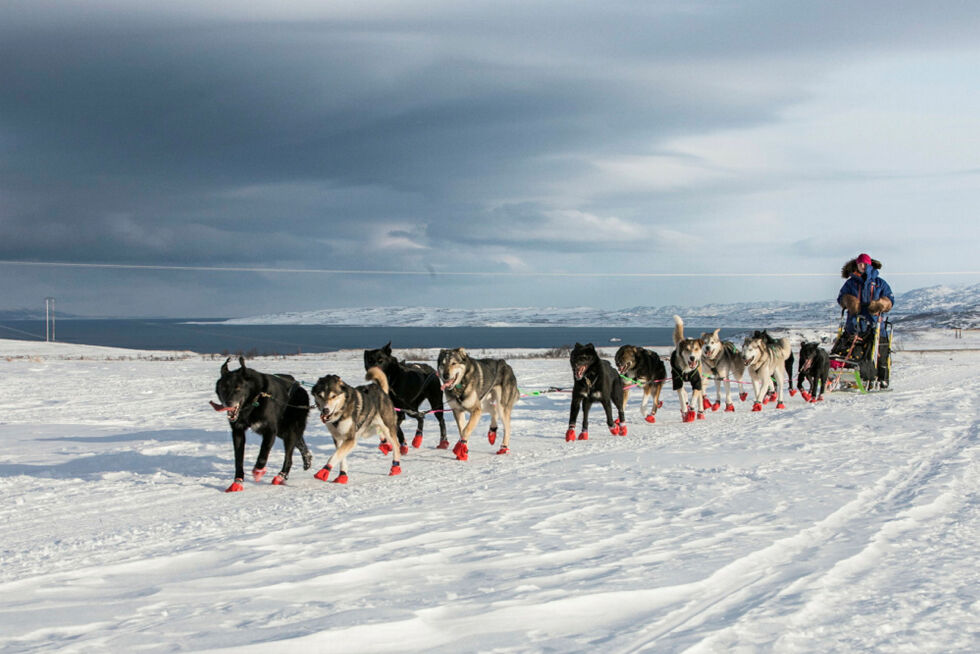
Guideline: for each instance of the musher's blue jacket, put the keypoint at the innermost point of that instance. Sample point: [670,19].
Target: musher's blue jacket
[866,288]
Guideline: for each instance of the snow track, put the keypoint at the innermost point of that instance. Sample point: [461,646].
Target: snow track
[847,525]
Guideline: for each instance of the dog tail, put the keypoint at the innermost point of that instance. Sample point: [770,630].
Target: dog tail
[678,330]
[377,375]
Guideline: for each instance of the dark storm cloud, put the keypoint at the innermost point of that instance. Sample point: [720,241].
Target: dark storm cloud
[211,133]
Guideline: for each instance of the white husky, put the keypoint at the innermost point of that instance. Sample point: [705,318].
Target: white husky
[765,361]
[722,360]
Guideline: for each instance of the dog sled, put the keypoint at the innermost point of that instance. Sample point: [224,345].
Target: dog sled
[862,361]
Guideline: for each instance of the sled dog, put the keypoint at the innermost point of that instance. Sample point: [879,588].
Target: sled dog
[350,412]
[473,386]
[722,360]
[772,342]
[815,368]
[685,366]
[408,385]
[649,372]
[595,379]
[269,405]
[765,360]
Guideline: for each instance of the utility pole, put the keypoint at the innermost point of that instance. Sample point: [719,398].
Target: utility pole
[49,334]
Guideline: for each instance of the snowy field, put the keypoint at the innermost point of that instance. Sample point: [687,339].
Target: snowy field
[850,525]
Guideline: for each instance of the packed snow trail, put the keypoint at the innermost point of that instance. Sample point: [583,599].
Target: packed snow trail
[849,524]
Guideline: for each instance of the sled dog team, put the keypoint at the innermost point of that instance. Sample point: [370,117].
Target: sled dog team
[276,405]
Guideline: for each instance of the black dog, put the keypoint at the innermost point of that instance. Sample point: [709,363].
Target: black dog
[815,368]
[595,379]
[772,342]
[271,405]
[409,384]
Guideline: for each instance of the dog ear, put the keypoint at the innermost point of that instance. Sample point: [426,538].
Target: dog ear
[462,352]
[241,361]
[387,348]
[718,331]
[224,366]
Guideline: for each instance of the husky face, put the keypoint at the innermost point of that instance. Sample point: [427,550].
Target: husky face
[626,360]
[380,358]
[330,396]
[234,388]
[752,350]
[712,344]
[689,350]
[582,358]
[452,366]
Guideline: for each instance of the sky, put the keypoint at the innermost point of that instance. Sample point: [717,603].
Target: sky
[480,154]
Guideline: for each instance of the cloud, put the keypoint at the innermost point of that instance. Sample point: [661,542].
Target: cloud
[520,134]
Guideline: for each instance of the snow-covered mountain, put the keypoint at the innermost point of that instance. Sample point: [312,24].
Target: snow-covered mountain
[936,306]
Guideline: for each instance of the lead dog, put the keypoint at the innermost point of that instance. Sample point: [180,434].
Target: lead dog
[595,379]
[269,405]
[815,368]
[766,360]
[685,366]
[473,386]
[723,360]
[408,385]
[350,412]
[649,372]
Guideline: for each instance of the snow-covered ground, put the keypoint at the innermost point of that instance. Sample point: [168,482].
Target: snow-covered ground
[849,525]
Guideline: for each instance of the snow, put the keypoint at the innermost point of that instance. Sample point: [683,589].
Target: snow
[849,525]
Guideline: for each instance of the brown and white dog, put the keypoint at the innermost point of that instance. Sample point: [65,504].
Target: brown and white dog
[722,360]
[765,360]
[685,366]
[473,386]
[648,371]
[350,412]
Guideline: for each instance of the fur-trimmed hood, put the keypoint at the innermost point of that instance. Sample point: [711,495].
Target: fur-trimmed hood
[850,267]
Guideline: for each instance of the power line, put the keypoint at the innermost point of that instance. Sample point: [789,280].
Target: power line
[451,273]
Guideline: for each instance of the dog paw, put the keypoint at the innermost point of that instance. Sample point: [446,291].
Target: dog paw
[730,408]
[503,450]
[651,418]
[443,445]
[385,447]
[584,436]
[757,407]
[341,478]
[403,449]
[278,480]
[716,406]
[417,441]
[235,486]
[307,460]
[570,435]
[258,473]
[323,473]
[396,470]
[780,405]
[492,435]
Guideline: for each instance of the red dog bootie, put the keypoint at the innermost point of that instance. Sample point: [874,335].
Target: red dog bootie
[396,469]
[323,473]
[235,486]
[757,407]
[651,418]
[729,408]
[492,435]
[341,478]
[584,436]
[443,444]
[570,435]
[417,441]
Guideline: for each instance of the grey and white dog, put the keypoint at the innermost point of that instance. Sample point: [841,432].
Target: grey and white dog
[350,412]
[473,386]
[722,360]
